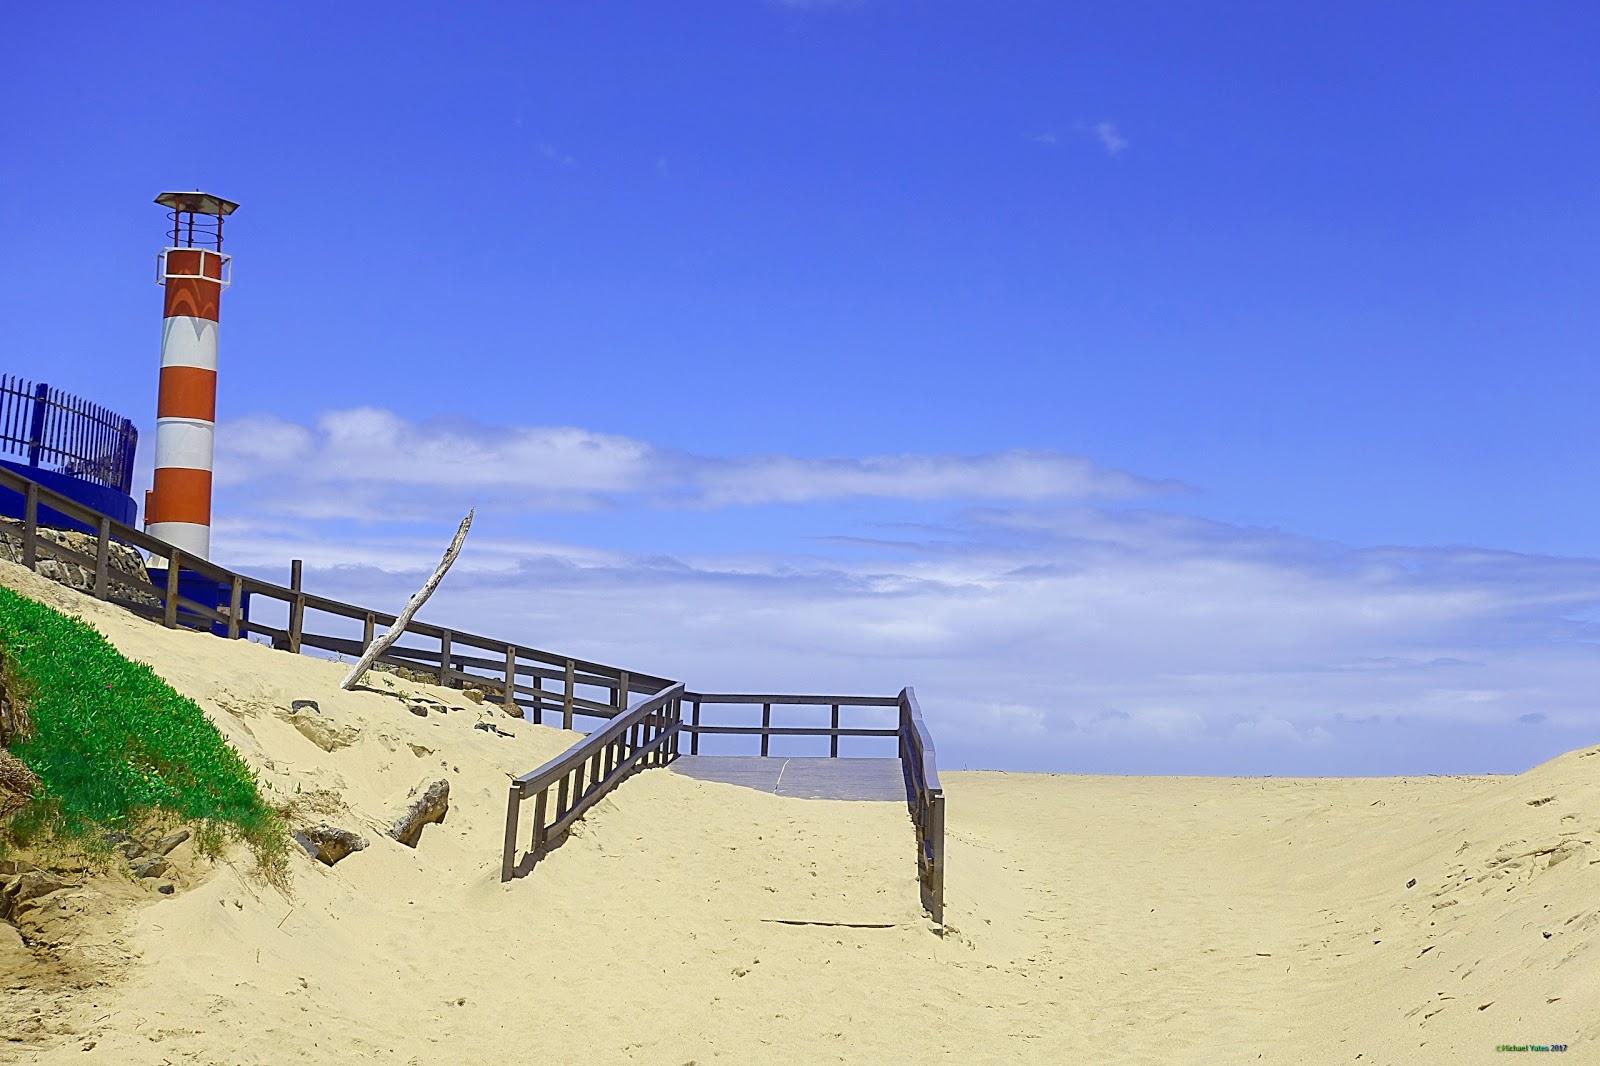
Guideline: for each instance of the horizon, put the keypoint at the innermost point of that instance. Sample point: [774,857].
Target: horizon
[1158,395]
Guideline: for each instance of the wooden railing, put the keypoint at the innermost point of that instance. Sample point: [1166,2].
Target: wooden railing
[924,794]
[925,797]
[766,730]
[517,673]
[645,735]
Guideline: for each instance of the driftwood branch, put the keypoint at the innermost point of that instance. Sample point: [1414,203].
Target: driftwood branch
[381,645]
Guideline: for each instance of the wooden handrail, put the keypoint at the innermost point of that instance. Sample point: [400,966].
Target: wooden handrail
[645,734]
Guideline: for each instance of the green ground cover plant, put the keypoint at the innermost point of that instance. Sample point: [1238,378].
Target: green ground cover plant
[115,747]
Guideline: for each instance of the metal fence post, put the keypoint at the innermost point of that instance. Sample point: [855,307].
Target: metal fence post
[41,399]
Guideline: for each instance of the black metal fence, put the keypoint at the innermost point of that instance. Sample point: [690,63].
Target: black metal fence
[54,430]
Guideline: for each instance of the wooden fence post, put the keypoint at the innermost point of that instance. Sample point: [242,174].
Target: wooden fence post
[235,607]
[566,705]
[694,734]
[444,658]
[169,614]
[509,851]
[102,558]
[622,692]
[511,676]
[30,525]
[833,740]
[369,629]
[297,606]
[538,700]
[766,723]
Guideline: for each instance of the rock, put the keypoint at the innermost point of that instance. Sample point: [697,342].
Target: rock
[418,709]
[12,867]
[425,804]
[17,783]
[490,727]
[35,884]
[328,844]
[323,733]
[166,889]
[132,849]
[150,866]
[165,845]
[473,694]
[296,706]
[12,946]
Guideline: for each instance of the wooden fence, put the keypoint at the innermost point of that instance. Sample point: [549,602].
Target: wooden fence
[924,794]
[643,734]
[766,730]
[576,687]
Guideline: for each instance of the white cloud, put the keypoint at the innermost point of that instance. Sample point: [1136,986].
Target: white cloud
[1110,138]
[1055,631]
[555,155]
[351,461]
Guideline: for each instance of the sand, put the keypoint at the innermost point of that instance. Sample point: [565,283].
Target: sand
[1090,919]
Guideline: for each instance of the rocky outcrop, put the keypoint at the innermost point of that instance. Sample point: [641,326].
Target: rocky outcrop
[123,560]
[29,885]
[427,803]
[17,783]
[328,844]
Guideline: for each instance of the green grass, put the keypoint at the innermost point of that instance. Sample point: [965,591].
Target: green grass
[115,747]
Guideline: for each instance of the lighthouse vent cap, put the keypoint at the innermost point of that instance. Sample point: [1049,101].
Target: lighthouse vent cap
[197,202]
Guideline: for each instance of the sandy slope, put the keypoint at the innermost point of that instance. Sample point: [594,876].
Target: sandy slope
[1139,920]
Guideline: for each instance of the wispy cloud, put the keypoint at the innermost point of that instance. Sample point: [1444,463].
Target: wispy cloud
[1054,630]
[555,155]
[1110,138]
[1047,137]
[352,459]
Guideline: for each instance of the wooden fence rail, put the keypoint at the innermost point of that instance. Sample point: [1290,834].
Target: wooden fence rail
[632,737]
[644,735]
[924,794]
[447,662]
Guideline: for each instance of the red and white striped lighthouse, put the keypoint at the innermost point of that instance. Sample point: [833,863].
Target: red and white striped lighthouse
[194,271]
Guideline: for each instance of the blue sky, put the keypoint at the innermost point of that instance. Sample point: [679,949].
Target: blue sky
[1158,389]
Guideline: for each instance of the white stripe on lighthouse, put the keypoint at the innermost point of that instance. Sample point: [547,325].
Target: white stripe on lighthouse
[191,538]
[185,442]
[189,341]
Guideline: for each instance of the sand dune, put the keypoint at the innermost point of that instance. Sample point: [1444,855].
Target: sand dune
[1091,919]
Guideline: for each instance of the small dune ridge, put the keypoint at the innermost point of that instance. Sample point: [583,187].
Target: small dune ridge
[1090,918]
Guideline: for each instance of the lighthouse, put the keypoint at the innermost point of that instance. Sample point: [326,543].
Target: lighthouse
[193,272]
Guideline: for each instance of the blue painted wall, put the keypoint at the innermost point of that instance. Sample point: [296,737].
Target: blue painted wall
[109,502]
